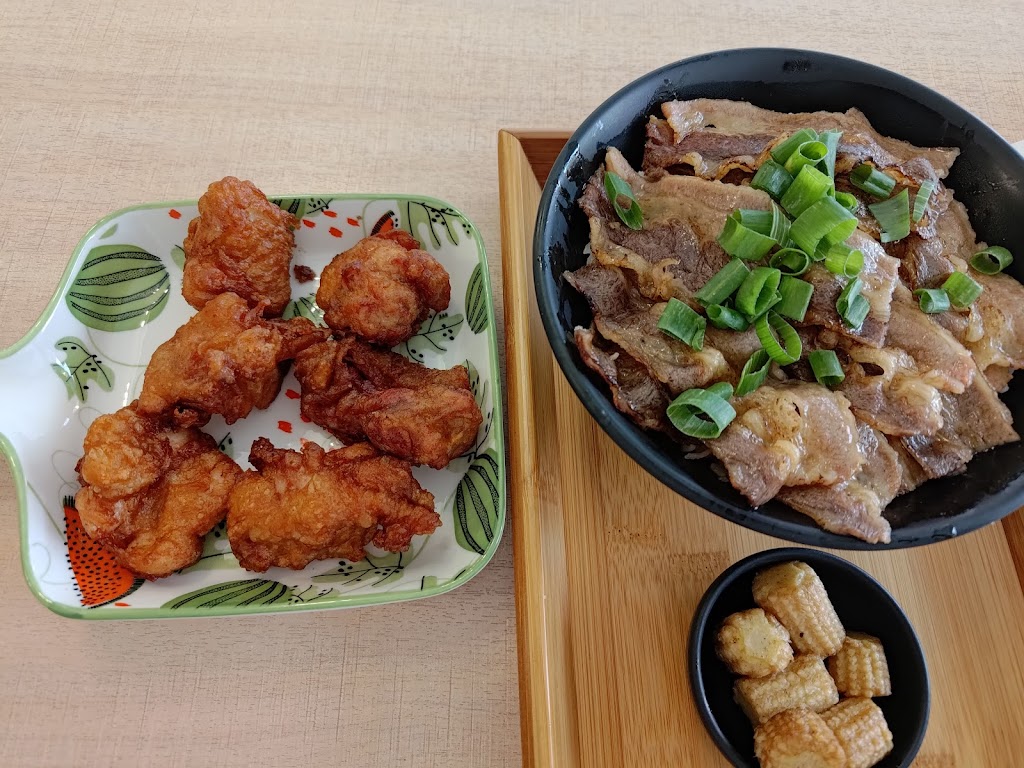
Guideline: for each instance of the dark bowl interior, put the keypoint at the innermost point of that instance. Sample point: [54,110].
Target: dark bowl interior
[863,605]
[988,177]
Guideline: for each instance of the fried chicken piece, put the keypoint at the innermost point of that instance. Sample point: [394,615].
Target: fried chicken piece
[242,243]
[382,288]
[226,359]
[298,507]
[425,415]
[151,491]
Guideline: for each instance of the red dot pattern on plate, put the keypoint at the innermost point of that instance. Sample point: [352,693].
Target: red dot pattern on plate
[353,222]
[304,419]
[123,605]
[335,231]
[285,426]
[308,223]
[174,213]
[331,214]
[291,394]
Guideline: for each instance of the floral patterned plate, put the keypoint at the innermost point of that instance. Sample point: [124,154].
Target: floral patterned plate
[119,298]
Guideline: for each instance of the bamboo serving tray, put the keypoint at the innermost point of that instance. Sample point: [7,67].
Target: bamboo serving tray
[610,565]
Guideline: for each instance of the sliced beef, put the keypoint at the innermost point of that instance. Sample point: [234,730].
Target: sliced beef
[708,154]
[634,391]
[788,434]
[625,318]
[854,507]
[941,359]
[1000,349]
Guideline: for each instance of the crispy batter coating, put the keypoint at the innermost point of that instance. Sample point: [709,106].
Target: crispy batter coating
[860,667]
[805,683]
[753,643]
[797,738]
[242,243]
[150,491]
[299,507]
[795,594]
[226,359]
[861,729]
[382,288]
[425,415]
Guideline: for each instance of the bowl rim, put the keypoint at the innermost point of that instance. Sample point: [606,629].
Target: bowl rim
[699,627]
[630,438]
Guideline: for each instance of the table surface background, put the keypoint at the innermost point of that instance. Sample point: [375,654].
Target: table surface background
[104,105]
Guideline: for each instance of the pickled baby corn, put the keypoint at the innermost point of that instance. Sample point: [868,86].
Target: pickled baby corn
[753,643]
[859,667]
[795,594]
[797,738]
[804,684]
[860,727]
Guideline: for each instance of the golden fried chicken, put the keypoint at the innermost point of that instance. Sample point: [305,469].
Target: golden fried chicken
[151,491]
[242,243]
[355,391]
[382,288]
[298,507]
[226,359]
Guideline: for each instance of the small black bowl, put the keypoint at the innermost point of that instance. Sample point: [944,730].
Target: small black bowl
[988,178]
[863,605]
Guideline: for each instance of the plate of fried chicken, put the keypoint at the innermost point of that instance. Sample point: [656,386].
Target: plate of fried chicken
[252,404]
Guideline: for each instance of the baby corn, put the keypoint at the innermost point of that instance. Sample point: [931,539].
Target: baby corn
[860,727]
[795,594]
[859,668]
[797,737]
[753,644]
[804,684]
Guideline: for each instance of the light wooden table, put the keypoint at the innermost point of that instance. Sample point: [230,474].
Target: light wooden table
[103,105]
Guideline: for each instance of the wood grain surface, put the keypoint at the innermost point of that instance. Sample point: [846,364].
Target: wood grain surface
[106,104]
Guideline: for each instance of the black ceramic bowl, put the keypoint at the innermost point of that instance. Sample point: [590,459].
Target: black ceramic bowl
[988,177]
[863,605]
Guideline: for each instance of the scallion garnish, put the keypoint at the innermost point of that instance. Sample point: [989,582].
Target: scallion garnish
[786,148]
[757,291]
[841,259]
[702,413]
[787,347]
[617,189]
[871,180]
[962,290]
[848,201]
[808,153]
[831,140]
[726,318]
[772,178]
[893,216]
[754,372]
[822,225]
[796,297]
[826,367]
[723,283]
[780,226]
[741,241]
[790,261]
[681,322]
[993,259]
[932,300]
[851,306]
[924,194]
[809,186]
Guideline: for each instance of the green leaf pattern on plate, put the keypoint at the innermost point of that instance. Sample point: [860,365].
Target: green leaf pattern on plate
[242,593]
[436,331]
[422,215]
[119,288]
[476,504]
[301,207]
[305,307]
[476,300]
[178,256]
[374,570]
[79,367]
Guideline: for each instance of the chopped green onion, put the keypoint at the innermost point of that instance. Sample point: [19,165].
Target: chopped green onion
[741,241]
[841,259]
[723,283]
[726,318]
[772,178]
[962,290]
[754,372]
[831,141]
[786,352]
[790,261]
[993,259]
[786,148]
[893,216]
[871,180]
[757,290]
[796,297]
[702,413]
[809,186]
[681,322]
[752,218]
[924,194]
[848,201]
[932,300]
[826,367]
[780,226]
[617,188]
[808,153]
[851,306]
[823,225]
